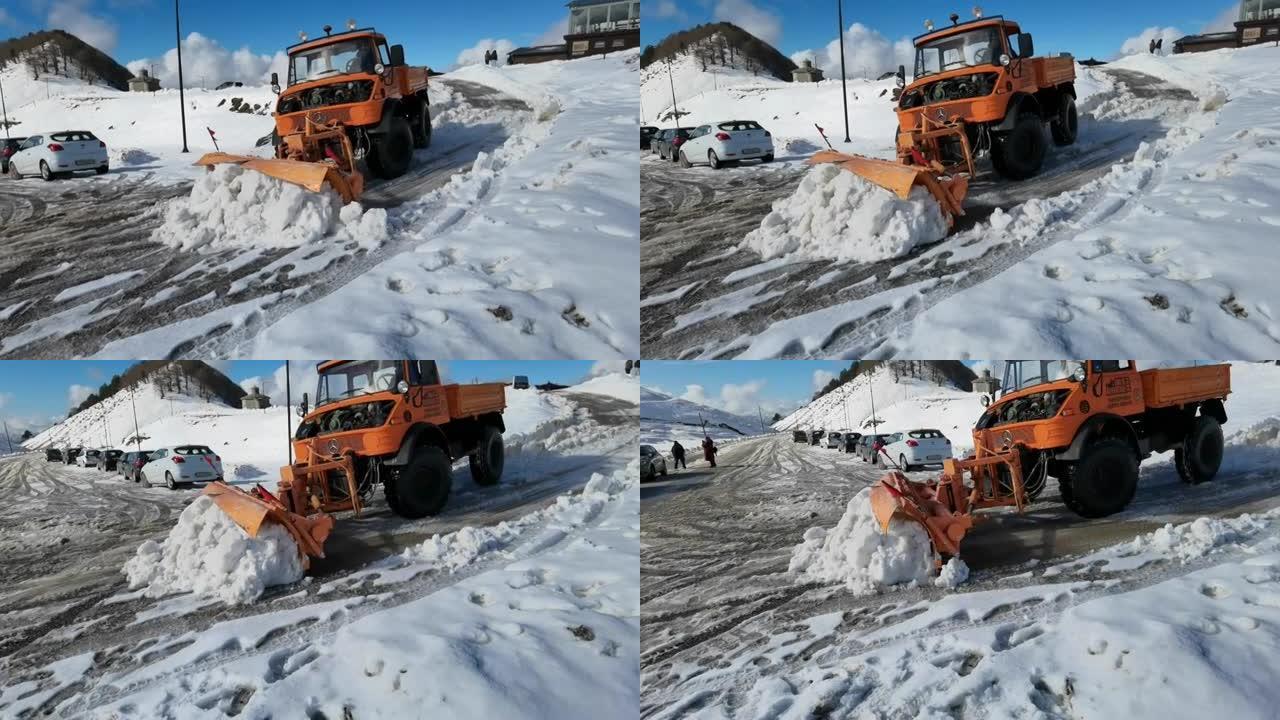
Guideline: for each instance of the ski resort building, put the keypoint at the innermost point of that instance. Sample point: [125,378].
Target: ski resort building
[806,72]
[143,82]
[1258,22]
[596,27]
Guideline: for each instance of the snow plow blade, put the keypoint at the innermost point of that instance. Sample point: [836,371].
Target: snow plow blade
[310,175]
[898,178]
[897,497]
[252,510]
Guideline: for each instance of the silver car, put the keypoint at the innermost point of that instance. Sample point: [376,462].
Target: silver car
[652,463]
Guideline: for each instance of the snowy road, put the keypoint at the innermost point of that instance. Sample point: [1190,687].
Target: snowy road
[54,593]
[705,297]
[721,618]
[78,257]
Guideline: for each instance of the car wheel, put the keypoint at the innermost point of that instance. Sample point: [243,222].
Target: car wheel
[902,463]
[13,170]
[767,158]
[684,160]
[102,170]
[168,481]
[664,469]
[45,172]
[713,160]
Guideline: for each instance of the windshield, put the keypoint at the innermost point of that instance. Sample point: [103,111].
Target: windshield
[1020,374]
[980,46]
[348,56]
[357,377]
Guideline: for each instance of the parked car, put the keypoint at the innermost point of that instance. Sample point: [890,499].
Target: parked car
[520,382]
[70,454]
[652,463]
[923,446]
[866,447]
[109,460]
[59,153]
[835,439]
[182,464]
[800,436]
[7,147]
[730,141]
[132,463]
[667,142]
[52,454]
[815,437]
[89,458]
[851,441]
[646,134]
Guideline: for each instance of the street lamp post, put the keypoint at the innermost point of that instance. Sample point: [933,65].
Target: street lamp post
[182,100]
[5,111]
[844,85]
[671,79]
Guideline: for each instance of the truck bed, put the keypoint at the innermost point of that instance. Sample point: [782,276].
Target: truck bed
[1178,386]
[477,399]
[1053,71]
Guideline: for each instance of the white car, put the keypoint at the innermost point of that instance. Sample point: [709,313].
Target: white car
[182,464]
[88,458]
[835,439]
[64,152]
[727,142]
[918,447]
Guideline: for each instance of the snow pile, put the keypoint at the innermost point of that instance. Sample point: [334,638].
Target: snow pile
[953,573]
[837,215]
[130,156]
[208,554]
[617,385]
[232,207]
[857,554]
[458,549]
[1193,540]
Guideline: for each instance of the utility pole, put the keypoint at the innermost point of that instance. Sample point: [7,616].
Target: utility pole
[6,436]
[5,110]
[137,440]
[874,423]
[761,416]
[106,432]
[288,408]
[182,100]
[671,79]
[844,86]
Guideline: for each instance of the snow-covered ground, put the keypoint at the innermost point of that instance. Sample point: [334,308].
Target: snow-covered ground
[1107,250]
[514,235]
[1165,610]
[520,600]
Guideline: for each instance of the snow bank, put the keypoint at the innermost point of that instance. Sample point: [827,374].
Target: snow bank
[208,554]
[232,207]
[857,554]
[618,385]
[837,215]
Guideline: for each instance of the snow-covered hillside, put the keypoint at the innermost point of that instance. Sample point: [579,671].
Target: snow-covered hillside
[664,418]
[691,81]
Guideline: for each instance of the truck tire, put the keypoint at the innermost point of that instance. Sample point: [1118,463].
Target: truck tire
[392,151]
[1065,126]
[1103,480]
[422,129]
[488,459]
[1019,154]
[422,487]
[1200,455]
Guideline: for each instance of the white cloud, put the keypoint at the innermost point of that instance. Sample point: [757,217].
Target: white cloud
[75,17]
[866,51]
[821,378]
[756,20]
[7,19]
[302,379]
[205,59]
[666,10]
[4,399]
[474,55]
[1225,21]
[695,394]
[737,399]
[1140,43]
[604,367]
[76,394]
[553,35]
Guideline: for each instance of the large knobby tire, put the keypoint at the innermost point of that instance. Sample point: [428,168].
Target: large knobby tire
[488,459]
[1103,480]
[422,487]
[1200,455]
[1067,124]
[422,128]
[1021,151]
[392,151]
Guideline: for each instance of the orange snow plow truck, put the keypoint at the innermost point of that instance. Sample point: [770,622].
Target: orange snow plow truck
[375,422]
[977,87]
[1086,423]
[350,102]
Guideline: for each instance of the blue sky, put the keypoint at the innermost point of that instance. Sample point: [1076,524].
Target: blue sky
[1089,28]
[432,32]
[739,385]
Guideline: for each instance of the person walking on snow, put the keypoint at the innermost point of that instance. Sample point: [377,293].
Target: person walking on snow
[877,447]
[677,453]
[709,450]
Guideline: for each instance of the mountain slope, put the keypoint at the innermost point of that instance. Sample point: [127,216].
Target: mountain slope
[61,54]
[664,418]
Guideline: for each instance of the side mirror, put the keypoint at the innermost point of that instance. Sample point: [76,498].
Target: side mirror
[396,54]
[275,83]
[986,400]
[902,76]
[302,409]
[1026,47]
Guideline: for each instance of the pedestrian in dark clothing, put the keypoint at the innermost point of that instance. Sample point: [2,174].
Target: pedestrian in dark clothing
[677,452]
[709,451]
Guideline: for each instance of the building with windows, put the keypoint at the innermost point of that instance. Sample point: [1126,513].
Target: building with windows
[143,82]
[1258,22]
[596,27]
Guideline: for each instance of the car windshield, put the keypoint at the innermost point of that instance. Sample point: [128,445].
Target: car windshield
[1021,374]
[73,136]
[922,434]
[91,453]
[740,125]
[980,46]
[357,377]
[349,56]
[192,450]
